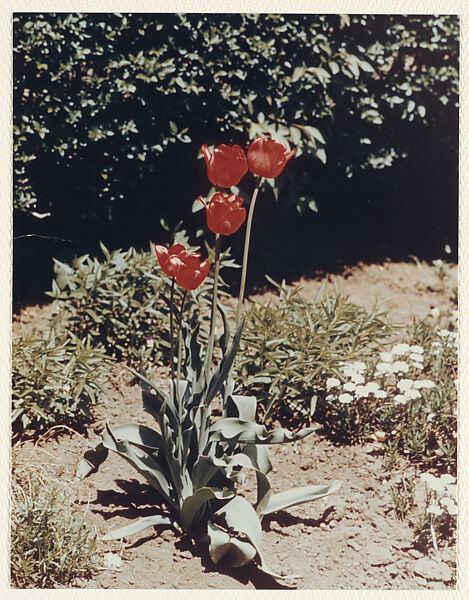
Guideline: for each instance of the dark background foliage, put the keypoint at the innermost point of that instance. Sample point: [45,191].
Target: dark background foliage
[110,111]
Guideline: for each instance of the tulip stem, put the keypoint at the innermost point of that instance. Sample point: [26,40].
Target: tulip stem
[246,252]
[171,327]
[211,337]
[178,376]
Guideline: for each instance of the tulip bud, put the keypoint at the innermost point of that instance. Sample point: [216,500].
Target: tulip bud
[226,166]
[225,213]
[267,158]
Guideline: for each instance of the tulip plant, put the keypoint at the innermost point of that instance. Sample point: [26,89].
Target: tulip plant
[194,462]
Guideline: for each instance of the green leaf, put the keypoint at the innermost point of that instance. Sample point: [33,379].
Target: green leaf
[299,496]
[194,502]
[224,367]
[241,407]
[91,461]
[248,432]
[228,549]
[146,465]
[138,526]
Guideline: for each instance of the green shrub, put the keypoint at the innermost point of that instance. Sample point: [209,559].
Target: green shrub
[119,303]
[291,346]
[110,110]
[50,542]
[54,380]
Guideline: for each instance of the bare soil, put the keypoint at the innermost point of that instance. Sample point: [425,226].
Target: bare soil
[351,540]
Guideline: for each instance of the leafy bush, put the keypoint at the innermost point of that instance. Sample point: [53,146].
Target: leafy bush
[54,380]
[50,542]
[291,346]
[107,105]
[119,303]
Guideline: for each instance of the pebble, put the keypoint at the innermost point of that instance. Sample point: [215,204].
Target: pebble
[432,570]
[337,504]
[393,570]
[379,555]
[112,561]
[354,545]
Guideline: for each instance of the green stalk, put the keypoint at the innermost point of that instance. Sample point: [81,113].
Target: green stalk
[178,375]
[211,337]
[246,252]
[171,328]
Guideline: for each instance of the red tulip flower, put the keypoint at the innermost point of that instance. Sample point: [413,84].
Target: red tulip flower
[192,271]
[170,259]
[226,166]
[186,267]
[225,213]
[267,158]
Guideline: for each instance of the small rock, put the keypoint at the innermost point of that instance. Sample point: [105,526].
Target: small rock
[415,553]
[393,570]
[420,581]
[436,585]
[337,504]
[379,555]
[112,561]
[354,545]
[350,532]
[432,570]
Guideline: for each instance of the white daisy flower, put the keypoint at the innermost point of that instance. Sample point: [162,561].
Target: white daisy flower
[349,371]
[436,484]
[447,479]
[430,417]
[417,365]
[345,398]
[412,394]
[435,510]
[361,391]
[359,365]
[349,386]
[452,490]
[416,357]
[443,333]
[380,394]
[358,378]
[386,357]
[450,505]
[400,399]
[384,367]
[372,387]
[427,384]
[405,384]
[400,366]
[400,349]
[416,349]
[332,382]
[330,398]
[435,312]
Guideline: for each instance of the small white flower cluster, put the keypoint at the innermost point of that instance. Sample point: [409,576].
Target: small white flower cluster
[356,387]
[410,389]
[448,339]
[391,362]
[444,495]
[390,365]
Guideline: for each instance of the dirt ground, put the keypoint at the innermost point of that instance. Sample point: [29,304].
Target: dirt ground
[350,540]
